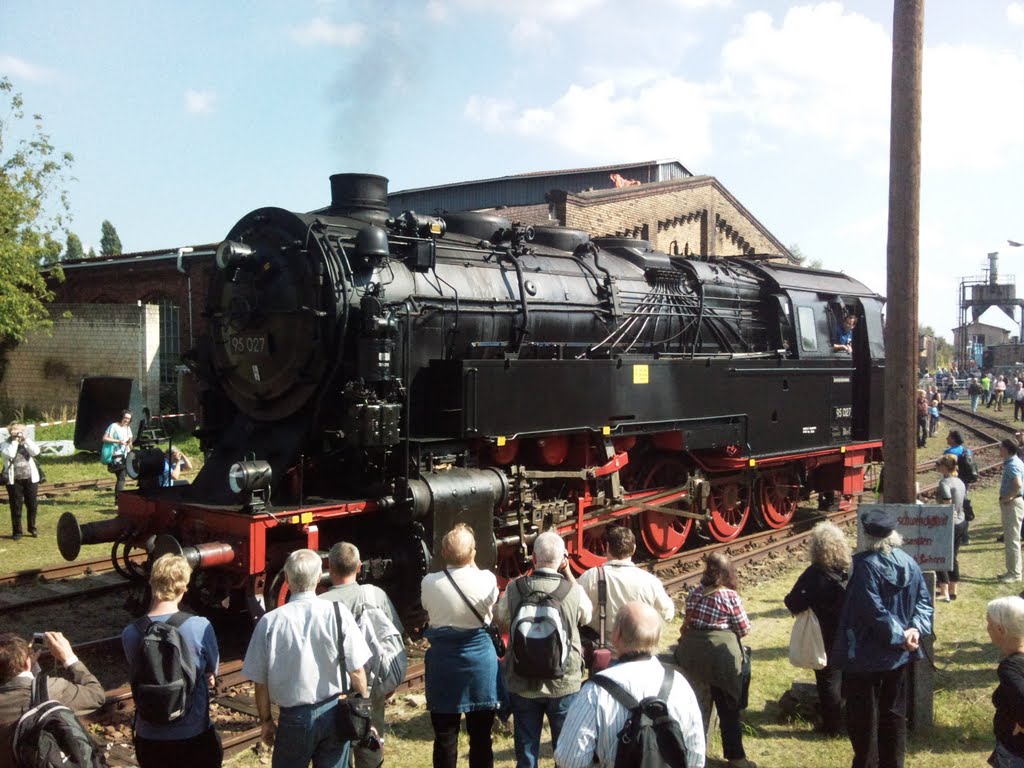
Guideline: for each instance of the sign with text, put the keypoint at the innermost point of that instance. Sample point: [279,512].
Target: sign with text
[927,532]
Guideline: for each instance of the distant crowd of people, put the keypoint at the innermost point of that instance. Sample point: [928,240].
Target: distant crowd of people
[316,657]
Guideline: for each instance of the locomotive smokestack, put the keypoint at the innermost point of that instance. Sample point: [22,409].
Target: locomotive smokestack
[360,195]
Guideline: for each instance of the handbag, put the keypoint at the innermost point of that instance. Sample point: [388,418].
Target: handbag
[352,715]
[106,453]
[744,677]
[597,654]
[968,510]
[806,645]
[492,631]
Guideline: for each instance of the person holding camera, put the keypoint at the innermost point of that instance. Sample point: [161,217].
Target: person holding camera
[173,468]
[21,475]
[77,688]
[120,435]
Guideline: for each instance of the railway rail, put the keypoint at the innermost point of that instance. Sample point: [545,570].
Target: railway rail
[51,490]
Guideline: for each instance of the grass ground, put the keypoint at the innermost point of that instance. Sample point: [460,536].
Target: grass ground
[964,680]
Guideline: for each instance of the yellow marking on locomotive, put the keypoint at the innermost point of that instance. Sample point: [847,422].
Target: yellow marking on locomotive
[752,462]
[641,374]
[842,449]
[306,518]
[499,441]
[606,431]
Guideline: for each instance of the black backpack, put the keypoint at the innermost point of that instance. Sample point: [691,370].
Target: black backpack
[650,738]
[541,632]
[966,468]
[49,735]
[163,675]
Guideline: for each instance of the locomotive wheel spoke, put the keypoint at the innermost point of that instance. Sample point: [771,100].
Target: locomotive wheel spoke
[592,554]
[778,494]
[729,504]
[664,535]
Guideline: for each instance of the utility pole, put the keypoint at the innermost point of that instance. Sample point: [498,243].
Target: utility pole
[901,351]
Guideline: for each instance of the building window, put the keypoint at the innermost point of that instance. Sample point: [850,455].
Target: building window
[169,354]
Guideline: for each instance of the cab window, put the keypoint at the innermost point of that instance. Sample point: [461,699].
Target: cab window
[808,333]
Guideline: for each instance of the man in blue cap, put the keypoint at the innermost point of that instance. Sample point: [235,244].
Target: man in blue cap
[887,610]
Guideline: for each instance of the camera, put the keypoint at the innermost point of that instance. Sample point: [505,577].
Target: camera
[38,640]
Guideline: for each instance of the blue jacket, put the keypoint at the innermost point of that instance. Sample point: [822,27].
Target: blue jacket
[885,596]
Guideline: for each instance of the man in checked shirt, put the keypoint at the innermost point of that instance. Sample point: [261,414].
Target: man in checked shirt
[590,734]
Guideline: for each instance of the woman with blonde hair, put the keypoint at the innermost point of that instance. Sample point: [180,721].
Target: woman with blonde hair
[191,740]
[21,476]
[461,673]
[952,491]
[821,588]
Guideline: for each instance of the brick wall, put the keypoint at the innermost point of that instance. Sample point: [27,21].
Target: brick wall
[45,371]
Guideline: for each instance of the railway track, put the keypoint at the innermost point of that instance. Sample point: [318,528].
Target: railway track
[52,490]
[36,587]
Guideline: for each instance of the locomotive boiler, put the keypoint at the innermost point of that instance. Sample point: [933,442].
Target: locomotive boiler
[377,378]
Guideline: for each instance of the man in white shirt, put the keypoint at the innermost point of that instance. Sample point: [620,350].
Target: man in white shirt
[624,582]
[590,734]
[293,658]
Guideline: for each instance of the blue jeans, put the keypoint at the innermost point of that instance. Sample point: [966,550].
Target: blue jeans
[1004,758]
[528,717]
[308,732]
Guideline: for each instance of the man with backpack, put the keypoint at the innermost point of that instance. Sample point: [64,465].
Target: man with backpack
[172,660]
[544,663]
[375,614]
[20,687]
[637,714]
[303,656]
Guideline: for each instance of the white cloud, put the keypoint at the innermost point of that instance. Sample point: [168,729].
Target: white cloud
[320,31]
[823,72]
[1015,13]
[19,69]
[700,4]
[437,10]
[668,117]
[972,115]
[199,102]
[537,10]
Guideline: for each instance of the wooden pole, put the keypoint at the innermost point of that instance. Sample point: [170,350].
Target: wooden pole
[901,353]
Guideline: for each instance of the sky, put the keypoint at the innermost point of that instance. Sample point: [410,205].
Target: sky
[184,116]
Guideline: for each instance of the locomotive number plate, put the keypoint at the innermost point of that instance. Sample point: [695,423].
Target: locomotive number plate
[844,411]
[244,344]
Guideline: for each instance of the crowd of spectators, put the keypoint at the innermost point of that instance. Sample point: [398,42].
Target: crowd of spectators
[306,656]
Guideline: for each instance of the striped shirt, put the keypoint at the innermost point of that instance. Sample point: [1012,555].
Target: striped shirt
[594,719]
[720,609]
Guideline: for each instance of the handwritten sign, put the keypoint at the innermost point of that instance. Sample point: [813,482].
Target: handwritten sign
[927,532]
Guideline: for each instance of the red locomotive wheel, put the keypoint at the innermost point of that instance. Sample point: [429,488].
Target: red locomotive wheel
[664,535]
[593,554]
[729,504]
[778,494]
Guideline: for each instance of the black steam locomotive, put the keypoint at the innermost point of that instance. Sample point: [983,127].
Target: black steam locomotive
[378,378]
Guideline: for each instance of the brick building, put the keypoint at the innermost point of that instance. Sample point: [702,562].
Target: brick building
[660,201]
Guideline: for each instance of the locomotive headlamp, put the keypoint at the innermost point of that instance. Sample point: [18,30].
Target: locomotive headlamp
[231,254]
[144,464]
[249,476]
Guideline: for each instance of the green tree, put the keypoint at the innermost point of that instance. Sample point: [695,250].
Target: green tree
[73,249]
[804,261]
[110,243]
[91,254]
[33,202]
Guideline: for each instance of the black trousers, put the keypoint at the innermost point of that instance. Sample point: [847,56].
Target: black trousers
[446,738]
[830,698]
[729,723]
[922,431]
[202,751]
[876,717]
[944,577]
[23,492]
[1018,409]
